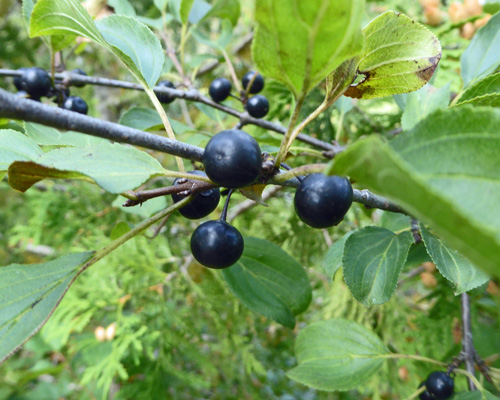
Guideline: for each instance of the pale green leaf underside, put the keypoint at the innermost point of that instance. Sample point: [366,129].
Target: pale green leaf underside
[336,354]
[300,42]
[453,266]
[29,294]
[114,167]
[423,102]
[269,281]
[372,261]
[14,146]
[482,56]
[399,56]
[333,257]
[446,173]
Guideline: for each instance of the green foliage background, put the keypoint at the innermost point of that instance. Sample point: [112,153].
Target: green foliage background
[180,333]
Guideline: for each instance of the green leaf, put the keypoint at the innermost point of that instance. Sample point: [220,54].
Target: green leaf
[488,100]
[135,45]
[336,355]
[340,79]
[120,229]
[199,10]
[114,167]
[333,257]
[423,102]
[14,146]
[445,172]
[184,10]
[45,135]
[269,281]
[399,56]
[300,42]
[225,9]
[452,265]
[146,118]
[372,261]
[28,296]
[482,56]
[132,41]
[122,7]
[61,17]
[491,6]
[487,86]
[27,9]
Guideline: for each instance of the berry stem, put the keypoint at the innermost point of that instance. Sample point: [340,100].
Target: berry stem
[299,171]
[417,393]
[289,133]
[231,71]
[223,216]
[247,90]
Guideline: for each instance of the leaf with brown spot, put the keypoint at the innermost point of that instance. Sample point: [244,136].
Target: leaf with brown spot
[399,56]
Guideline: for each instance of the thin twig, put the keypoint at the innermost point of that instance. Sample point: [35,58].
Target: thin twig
[467,344]
[191,95]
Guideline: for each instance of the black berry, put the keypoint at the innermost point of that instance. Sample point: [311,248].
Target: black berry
[440,385]
[257,106]
[17,80]
[425,395]
[216,244]
[76,104]
[219,89]
[36,82]
[163,97]
[202,205]
[232,159]
[257,85]
[79,71]
[322,201]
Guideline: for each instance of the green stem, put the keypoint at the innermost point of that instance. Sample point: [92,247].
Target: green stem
[232,72]
[285,142]
[471,377]
[100,254]
[166,123]
[183,43]
[417,393]
[412,357]
[303,170]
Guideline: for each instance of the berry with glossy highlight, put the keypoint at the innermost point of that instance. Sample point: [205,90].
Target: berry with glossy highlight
[216,244]
[36,82]
[232,159]
[440,385]
[219,90]
[203,203]
[257,85]
[163,97]
[257,106]
[79,71]
[76,104]
[322,201]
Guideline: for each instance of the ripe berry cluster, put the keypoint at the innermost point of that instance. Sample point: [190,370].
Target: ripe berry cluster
[438,386]
[233,159]
[35,83]
[257,106]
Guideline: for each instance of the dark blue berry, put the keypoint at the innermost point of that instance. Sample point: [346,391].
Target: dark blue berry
[440,385]
[257,106]
[216,244]
[76,104]
[232,159]
[425,395]
[203,203]
[219,90]
[17,80]
[322,201]
[257,85]
[36,82]
[163,97]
